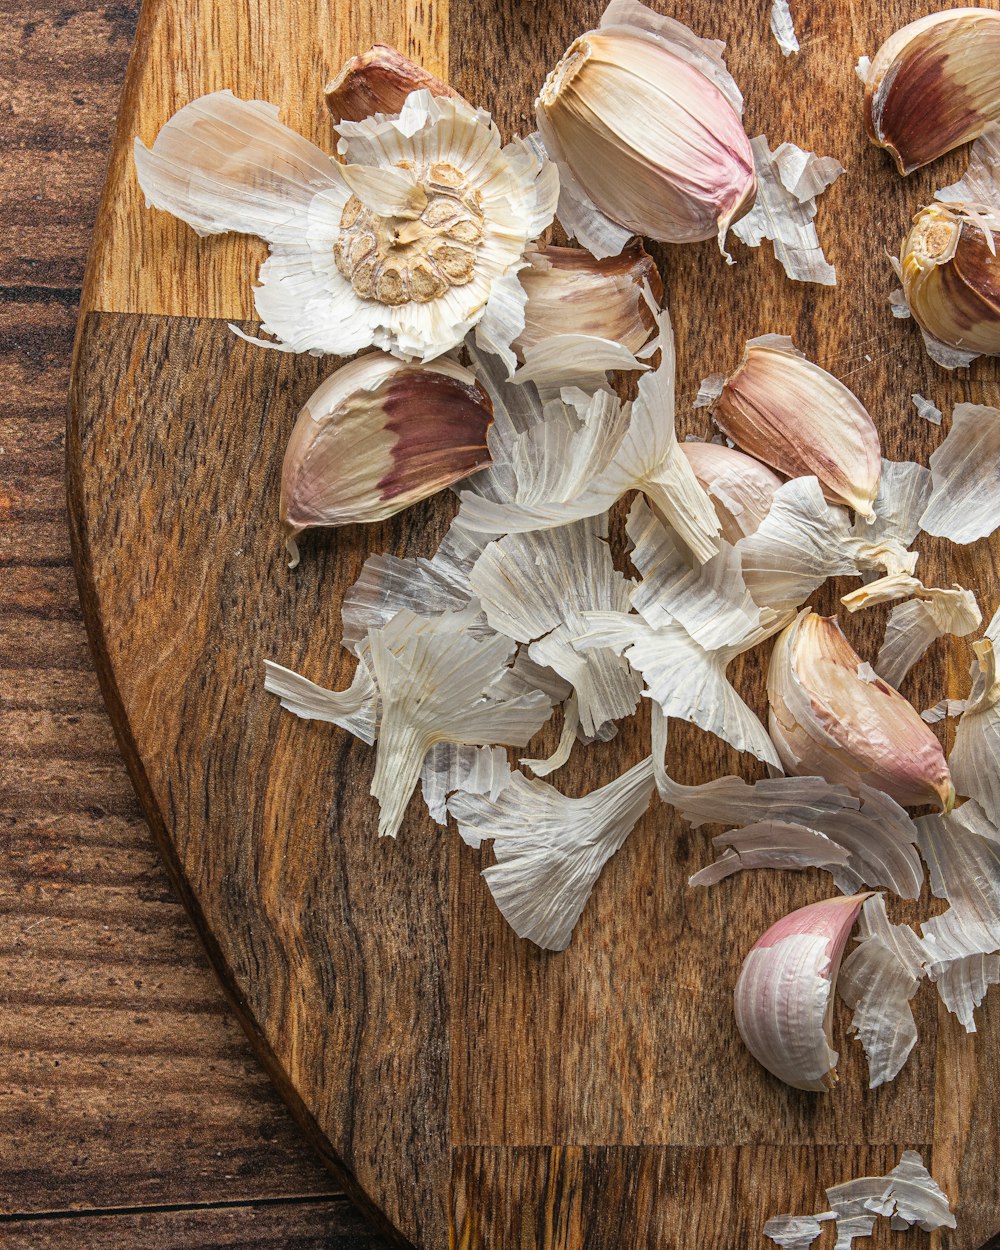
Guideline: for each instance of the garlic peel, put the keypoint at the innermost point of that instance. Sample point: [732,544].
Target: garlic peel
[975,757]
[783,996]
[378,81]
[354,709]
[783,28]
[964,504]
[741,488]
[449,769]
[931,87]
[770,844]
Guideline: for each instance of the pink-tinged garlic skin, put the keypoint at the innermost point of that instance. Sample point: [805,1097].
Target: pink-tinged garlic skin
[653,143]
[933,85]
[379,435]
[378,81]
[740,487]
[827,721]
[787,411]
[784,994]
[571,292]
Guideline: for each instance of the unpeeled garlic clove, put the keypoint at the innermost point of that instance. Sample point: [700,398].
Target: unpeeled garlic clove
[652,141]
[740,487]
[784,994]
[933,85]
[951,278]
[378,81]
[571,292]
[783,409]
[827,720]
[377,436]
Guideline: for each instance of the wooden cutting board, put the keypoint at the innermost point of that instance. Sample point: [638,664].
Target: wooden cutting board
[472,1090]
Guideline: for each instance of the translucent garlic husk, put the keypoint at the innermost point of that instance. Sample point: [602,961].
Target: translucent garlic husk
[652,141]
[377,436]
[787,411]
[784,994]
[378,81]
[826,719]
[933,85]
[571,292]
[740,487]
[951,278]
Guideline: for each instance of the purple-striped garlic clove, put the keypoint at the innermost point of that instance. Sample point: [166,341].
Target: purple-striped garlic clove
[784,993]
[828,720]
[933,85]
[377,436]
[785,410]
[571,292]
[951,278]
[378,81]
[740,487]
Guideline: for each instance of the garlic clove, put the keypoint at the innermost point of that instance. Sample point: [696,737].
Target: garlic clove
[933,85]
[741,488]
[378,81]
[784,994]
[571,292]
[827,720]
[787,411]
[377,436]
[951,278]
[655,144]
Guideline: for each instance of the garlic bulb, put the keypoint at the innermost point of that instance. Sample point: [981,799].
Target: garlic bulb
[828,720]
[378,81]
[796,417]
[933,85]
[377,436]
[570,292]
[639,115]
[741,488]
[951,277]
[784,994]
[417,238]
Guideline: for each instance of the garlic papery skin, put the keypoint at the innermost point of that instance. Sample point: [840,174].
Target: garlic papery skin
[787,411]
[378,81]
[933,85]
[951,277]
[570,292]
[827,720]
[784,994]
[642,134]
[741,488]
[377,436]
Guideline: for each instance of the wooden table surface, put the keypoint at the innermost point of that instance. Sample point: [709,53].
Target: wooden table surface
[132,1112]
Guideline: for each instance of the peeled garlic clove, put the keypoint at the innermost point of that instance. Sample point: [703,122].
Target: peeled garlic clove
[784,994]
[783,409]
[378,81]
[933,85]
[571,292]
[652,141]
[827,720]
[741,488]
[951,279]
[378,436]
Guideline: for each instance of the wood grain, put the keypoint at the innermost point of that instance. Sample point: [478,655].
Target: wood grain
[131,1106]
[480,1092]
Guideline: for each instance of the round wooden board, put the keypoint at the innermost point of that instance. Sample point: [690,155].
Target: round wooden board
[470,1088]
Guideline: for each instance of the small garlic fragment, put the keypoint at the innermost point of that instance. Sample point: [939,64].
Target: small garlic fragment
[572,293]
[640,118]
[784,994]
[951,277]
[933,85]
[787,411]
[825,720]
[741,488]
[377,436]
[378,81]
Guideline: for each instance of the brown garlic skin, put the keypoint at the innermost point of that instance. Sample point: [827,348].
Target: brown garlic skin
[378,81]
[571,292]
[951,279]
[933,85]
